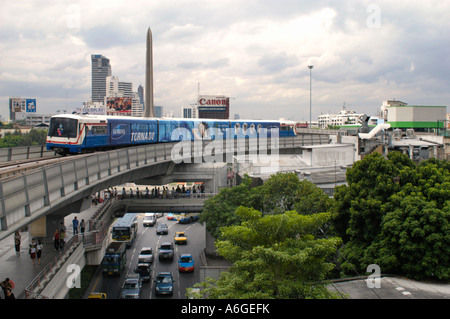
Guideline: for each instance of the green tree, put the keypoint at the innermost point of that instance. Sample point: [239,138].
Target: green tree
[396,214]
[281,192]
[274,256]
[219,210]
[415,239]
[34,137]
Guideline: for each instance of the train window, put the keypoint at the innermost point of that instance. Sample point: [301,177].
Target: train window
[252,129]
[98,130]
[237,127]
[63,127]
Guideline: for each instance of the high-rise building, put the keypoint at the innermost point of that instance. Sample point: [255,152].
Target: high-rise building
[189,112]
[101,68]
[141,94]
[116,88]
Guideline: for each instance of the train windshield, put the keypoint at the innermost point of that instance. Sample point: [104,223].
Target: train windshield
[63,127]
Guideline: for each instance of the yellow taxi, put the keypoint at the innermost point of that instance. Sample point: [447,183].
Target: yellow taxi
[97,295]
[180,238]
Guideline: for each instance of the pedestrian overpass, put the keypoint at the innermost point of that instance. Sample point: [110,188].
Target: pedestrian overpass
[56,190]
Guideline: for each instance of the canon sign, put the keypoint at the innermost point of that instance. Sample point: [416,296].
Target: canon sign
[213,100]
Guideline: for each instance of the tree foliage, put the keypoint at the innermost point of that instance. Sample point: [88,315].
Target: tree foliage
[274,256]
[396,214]
[281,192]
[34,137]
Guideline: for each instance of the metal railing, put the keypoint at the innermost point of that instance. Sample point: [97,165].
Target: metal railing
[30,195]
[24,153]
[52,267]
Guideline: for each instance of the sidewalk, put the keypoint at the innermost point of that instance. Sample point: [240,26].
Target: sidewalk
[20,269]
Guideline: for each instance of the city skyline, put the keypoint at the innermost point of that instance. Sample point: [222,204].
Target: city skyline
[256,52]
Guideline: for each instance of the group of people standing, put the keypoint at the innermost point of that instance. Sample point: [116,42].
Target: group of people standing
[163,193]
[34,250]
[59,237]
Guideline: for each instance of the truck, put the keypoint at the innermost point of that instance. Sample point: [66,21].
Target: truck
[115,259]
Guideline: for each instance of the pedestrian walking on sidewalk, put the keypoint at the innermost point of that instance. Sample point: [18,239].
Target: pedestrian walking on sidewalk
[56,238]
[75,225]
[7,284]
[17,239]
[33,250]
[82,226]
[62,236]
[39,247]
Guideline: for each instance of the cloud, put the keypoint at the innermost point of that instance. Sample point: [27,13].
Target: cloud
[255,51]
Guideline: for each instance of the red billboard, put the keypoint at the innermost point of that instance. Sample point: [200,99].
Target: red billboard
[118,105]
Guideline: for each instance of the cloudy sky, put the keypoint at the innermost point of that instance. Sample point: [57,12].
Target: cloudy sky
[255,51]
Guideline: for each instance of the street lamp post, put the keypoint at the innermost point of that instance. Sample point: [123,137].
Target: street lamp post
[310,95]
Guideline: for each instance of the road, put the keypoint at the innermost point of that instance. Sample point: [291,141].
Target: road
[147,237]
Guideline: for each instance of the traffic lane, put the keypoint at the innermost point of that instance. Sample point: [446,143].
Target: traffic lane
[195,235]
[112,285]
[195,242]
[146,236]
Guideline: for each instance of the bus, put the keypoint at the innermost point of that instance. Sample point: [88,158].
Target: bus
[125,229]
[113,263]
[186,218]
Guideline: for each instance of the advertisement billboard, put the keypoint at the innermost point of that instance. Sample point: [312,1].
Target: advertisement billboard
[96,110]
[17,105]
[119,105]
[31,105]
[213,106]
[213,100]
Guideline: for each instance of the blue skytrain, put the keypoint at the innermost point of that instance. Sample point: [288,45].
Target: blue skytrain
[74,134]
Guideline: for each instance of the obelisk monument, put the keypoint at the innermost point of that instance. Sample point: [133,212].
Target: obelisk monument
[149,111]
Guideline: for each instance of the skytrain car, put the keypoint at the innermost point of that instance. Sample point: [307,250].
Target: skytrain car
[68,133]
[132,131]
[252,128]
[288,128]
[72,134]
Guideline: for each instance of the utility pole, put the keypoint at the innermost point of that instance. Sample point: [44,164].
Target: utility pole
[310,95]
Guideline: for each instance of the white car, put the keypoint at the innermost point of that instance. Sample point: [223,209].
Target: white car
[149,220]
[146,255]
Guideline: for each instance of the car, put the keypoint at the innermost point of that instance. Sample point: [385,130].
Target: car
[186,263]
[164,283]
[149,220]
[180,238]
[143,269]
[165,251]
[170,216]
[97,295]
[146,255]
[162,229]
[131,288]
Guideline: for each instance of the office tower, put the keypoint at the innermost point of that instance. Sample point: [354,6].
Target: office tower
[100,70]
[126,88]
[141,94]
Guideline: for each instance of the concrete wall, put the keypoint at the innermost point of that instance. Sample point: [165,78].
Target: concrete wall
[57,288]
